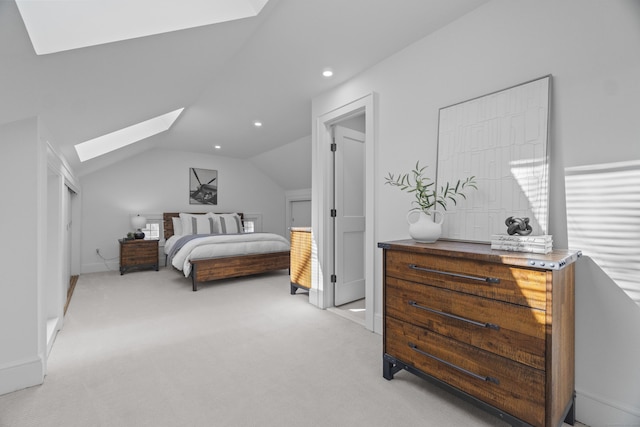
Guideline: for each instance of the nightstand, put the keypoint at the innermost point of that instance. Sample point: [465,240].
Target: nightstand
[138,253]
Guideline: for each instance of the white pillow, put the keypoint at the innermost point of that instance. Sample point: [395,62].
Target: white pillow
[229,223]
[198,224]
[177,226]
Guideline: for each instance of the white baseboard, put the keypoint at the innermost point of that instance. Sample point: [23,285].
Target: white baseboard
[53,326]
[596,411]
[377,324]
[21,374]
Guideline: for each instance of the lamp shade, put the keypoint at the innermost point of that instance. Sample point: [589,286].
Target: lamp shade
[138,222]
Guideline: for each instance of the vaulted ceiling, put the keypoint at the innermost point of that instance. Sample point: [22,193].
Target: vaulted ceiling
[226,75]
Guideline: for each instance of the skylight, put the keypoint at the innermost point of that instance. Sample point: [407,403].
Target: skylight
[59,25]
[121,138]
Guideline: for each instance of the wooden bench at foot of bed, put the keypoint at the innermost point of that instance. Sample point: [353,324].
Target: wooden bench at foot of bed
[236,266]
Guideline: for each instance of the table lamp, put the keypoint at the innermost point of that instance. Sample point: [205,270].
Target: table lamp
[138,222]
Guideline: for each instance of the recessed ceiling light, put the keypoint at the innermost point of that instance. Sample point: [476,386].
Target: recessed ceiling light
[121,138]
[217,147]
[327,72]
[257,124]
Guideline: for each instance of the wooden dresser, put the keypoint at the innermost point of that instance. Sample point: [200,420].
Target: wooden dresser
[300,258]
[495,328]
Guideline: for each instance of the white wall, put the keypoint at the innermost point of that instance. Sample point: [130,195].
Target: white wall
[592,49]
[22,260]
[158,181]
[289,165]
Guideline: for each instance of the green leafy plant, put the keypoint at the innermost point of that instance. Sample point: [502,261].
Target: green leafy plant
[424,189]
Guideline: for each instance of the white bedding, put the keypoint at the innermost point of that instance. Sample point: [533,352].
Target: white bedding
[224,245]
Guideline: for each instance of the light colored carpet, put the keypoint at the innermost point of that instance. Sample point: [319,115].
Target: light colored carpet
[144,350]
[354,311]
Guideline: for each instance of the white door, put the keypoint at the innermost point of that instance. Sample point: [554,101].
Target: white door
[349,205]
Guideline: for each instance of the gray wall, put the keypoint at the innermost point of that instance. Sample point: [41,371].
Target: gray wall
[289,165]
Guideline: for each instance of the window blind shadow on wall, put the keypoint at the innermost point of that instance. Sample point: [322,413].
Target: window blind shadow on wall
[603,219]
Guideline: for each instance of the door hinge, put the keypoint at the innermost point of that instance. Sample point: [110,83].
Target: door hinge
[334,278]
[334,213]
[334,146]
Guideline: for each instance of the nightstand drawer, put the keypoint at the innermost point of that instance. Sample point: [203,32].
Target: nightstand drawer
[133,259]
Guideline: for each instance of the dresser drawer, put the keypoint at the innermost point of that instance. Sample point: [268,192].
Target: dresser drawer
[511,284]
[509,330]
[515,388]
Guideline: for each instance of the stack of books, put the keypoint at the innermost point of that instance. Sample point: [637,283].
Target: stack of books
[535,244]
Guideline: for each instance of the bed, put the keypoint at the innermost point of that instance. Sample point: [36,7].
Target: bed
[222,255]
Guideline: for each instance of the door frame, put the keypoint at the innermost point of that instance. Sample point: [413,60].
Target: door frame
[322,292]
[60,180]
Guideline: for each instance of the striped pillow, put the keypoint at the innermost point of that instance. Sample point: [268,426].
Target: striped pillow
[177,225]
[229,223]
[198,224]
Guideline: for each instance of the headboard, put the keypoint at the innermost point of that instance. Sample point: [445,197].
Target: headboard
[168,221]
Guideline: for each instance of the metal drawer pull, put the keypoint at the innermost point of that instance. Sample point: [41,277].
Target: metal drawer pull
[453,316]
[463,276]
[451,365]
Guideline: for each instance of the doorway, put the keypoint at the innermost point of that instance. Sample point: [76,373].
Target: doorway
[60,200]
[324,263]
[298,207]
[300,213]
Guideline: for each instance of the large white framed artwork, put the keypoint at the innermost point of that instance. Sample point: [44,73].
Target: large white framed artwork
[501,139]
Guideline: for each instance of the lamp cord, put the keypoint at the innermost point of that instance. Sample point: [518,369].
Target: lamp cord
[105,260]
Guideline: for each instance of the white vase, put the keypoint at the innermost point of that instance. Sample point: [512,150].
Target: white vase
[424,228]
